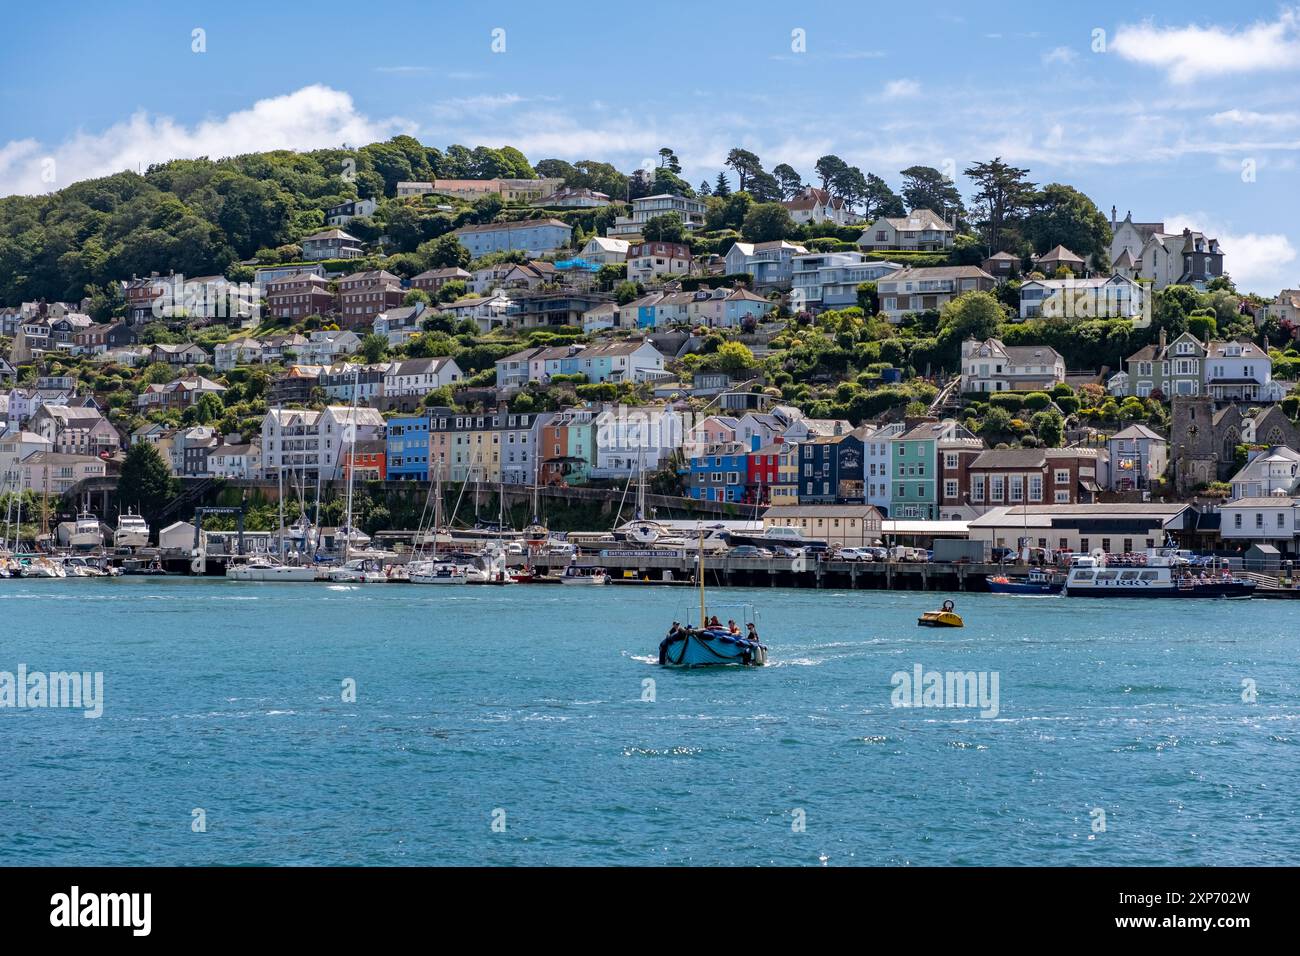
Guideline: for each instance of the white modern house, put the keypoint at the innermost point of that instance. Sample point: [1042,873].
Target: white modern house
[1096,297]
[830,280]
[312,442]
[690,210]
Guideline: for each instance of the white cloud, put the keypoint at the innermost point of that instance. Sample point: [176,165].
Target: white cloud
[1060,54]
[313,117]
[1189,52]
[898,89]
[1235,117]
[402,69]
[1258,262]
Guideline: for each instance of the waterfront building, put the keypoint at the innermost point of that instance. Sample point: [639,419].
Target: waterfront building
[840,526]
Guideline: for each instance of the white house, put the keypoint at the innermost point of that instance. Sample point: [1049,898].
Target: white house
[1271,519]
[830,280]
[1270,472]
[634,439]
[604,250]
[312,442]
[421,376]
[325,347]
[690,210]
[1240,372]
[815,205]
[920,229]
[1096,297]
[239,351]
[241,460]
[990,366]
[16,445]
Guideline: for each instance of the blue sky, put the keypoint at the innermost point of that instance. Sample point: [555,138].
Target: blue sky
[1190,114]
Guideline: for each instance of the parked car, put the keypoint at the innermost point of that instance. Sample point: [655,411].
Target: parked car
[1003,554]
[854,554]
[750,551]
[781,551]
[879,554]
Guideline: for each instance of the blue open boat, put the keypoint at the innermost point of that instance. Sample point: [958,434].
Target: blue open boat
[709,644]
[696,647]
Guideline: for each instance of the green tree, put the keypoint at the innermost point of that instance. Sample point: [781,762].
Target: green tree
[146,482]
[1004,193]
[766,222]
[746,166]
[924,187]
[1061,215]
[445,252]
[374,348]
[665,228]
[788,180]
[209,408]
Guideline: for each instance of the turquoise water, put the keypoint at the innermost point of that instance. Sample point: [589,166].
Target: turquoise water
[524,706]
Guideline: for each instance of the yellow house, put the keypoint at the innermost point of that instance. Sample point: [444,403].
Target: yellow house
[786,489]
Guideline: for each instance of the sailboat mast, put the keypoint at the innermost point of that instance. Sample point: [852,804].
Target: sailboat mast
[352,458]
[280,487]
[704,621]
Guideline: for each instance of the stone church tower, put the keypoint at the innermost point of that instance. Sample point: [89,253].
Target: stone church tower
[1203,442]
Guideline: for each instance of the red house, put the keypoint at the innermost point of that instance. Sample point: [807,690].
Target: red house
[761,473]
[372,461]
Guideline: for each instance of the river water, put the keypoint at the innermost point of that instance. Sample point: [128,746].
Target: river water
[386,724]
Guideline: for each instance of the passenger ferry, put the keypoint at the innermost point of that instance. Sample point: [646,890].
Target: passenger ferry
[1160,576]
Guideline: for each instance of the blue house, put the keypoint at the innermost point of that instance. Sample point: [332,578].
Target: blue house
[534,237]
[718,475]
[408,448]
[830,470]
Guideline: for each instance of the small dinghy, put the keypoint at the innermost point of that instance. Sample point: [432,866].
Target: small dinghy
[944,617]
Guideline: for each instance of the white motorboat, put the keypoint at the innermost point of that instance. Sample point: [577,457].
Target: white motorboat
[43,568]
[132,532]
[262,567]
[86,535]
[75,567]
[359,571]
[437,572]
[574,574]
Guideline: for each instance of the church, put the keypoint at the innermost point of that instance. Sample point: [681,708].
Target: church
[1204,440]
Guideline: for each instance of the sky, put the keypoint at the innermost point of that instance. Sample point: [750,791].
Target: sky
[1183,112]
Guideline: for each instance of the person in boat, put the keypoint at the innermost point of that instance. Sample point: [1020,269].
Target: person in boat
[714,622]
[675,630]
[752,633]
[732,628]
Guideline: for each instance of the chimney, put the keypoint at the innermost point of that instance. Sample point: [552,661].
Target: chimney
[1112,218]
[1162,338]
